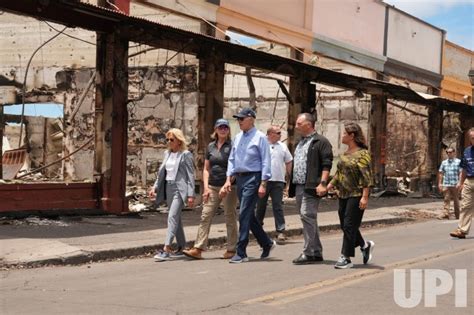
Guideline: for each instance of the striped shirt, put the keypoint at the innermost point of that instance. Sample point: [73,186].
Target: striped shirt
[450,169]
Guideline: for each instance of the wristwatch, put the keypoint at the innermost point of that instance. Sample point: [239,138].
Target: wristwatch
[324,183]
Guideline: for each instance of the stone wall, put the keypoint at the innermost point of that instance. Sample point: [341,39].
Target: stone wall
[169,99]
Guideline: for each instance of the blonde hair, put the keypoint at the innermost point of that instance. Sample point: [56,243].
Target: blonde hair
[214,136]
[178,135]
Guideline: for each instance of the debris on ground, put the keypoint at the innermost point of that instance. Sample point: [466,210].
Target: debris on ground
[138,200]
[418,214]
[33,221]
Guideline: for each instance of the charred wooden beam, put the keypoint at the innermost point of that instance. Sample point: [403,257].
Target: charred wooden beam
[435,135]
[87,16]
[251,86]
[111,120]
[211,99]
[294,98]
[378,137]
[2,127]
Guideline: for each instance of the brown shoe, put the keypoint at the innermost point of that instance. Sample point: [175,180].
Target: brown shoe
[443,217]
[228,255]
[194,253]
[281,238]
[458,233]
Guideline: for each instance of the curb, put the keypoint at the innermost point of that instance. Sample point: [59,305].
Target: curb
[86,257]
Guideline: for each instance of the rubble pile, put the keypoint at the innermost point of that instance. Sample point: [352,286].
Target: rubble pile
[138,200]
[33,221]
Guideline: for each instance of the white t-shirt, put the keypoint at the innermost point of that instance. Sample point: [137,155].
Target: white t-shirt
[172,165]
[280,156]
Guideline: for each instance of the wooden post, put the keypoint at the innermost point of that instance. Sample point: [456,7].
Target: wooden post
[2,126]
[211,100]
[435,132]
[111,119]
[308,98]
[378,138]
[296,108]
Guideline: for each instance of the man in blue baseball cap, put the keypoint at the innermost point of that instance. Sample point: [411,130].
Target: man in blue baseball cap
[245,112]
[250,164]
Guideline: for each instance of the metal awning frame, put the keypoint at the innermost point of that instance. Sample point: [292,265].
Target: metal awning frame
[136,29]
[74,13]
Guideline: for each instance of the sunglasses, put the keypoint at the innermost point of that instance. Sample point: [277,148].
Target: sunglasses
[169,140]
[241,118]
[449,152]
[278,133]
[223,127]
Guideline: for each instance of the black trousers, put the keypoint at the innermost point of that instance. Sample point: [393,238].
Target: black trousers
[350,217]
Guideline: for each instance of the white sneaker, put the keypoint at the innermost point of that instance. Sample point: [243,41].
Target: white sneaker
[367,252]
[343,263]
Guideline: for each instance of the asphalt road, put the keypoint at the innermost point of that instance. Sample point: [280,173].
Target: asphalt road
[213,286]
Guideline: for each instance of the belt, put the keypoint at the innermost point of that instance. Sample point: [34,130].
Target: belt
[245,173]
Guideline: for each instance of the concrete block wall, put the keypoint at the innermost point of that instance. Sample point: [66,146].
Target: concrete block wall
[170,100]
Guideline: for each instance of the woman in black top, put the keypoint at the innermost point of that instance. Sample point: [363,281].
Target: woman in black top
[214,177]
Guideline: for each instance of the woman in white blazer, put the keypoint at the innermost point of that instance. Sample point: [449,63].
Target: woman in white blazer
[175,184]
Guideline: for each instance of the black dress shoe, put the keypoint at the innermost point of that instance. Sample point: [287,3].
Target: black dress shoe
[305,259]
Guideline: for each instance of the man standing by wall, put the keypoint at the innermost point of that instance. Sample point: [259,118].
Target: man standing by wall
[281,168]
[311,165]
[448,183]
[250,164]
[467,188]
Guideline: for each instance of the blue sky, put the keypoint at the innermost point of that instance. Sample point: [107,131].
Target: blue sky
[456,17]
[45,110]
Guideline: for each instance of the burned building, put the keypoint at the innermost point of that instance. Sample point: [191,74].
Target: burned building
[124,80]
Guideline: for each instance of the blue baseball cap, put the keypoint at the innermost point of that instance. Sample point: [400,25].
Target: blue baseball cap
[245,112]
[221,122]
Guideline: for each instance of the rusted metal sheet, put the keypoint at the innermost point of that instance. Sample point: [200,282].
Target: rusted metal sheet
[12,161]
[41,196]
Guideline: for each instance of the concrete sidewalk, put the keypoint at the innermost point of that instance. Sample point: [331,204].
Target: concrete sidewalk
[75,240]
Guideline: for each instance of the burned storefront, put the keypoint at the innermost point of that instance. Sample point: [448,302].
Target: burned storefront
[138,79]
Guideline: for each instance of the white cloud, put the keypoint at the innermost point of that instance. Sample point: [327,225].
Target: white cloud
[425,8]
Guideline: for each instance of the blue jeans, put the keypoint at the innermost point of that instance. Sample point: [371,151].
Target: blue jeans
[247,191]
[275,191]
